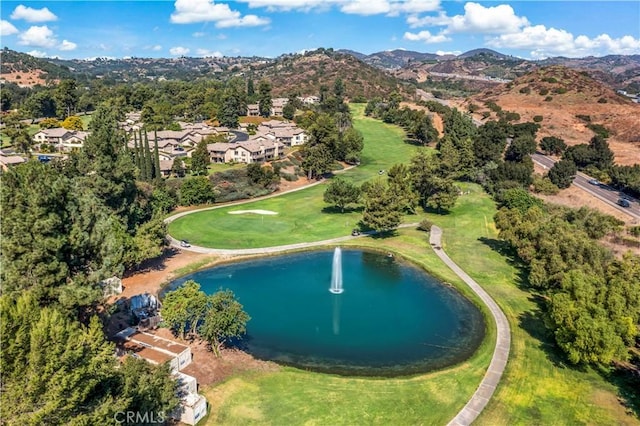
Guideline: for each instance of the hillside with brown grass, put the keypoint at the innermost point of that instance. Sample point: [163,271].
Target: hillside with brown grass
[565,102]
[305,74]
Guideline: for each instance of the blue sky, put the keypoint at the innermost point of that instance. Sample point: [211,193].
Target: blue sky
[529,29]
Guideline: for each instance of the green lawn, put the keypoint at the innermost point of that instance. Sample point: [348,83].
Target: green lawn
[292,396]
[302,216]
[537,388]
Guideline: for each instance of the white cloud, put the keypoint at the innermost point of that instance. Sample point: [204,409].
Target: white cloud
[157,47]
[37,36]
[245,21]
[7,28]
[490,20]
[179,51]
[444,53]
[192,11]
[426,37]
[67,45]
[366,7]
[544,42]
[358,7]
[288,5]
[37,53]
[209,53]
[198,34]
[221,37]
[33,15]
[499,19]
[440,20]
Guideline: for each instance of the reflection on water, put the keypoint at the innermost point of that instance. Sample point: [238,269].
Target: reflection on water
[336,314]
[393,319]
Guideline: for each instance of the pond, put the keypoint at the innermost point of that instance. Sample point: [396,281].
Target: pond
[391,319]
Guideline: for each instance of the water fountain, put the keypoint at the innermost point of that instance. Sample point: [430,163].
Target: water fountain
[336,272]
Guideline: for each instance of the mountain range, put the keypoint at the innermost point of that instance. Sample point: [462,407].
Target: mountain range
[376,73]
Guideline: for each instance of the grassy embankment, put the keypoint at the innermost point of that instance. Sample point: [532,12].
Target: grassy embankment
[537,388]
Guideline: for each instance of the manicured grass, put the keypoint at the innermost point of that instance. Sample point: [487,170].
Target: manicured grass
[537,387]
[302,216]
[222,167]
[293,396]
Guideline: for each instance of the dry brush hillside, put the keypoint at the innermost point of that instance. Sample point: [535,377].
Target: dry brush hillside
[568,101]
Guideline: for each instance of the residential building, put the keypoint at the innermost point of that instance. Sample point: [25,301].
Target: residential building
[252,151]
[62,139]
[157,350]
[7,161]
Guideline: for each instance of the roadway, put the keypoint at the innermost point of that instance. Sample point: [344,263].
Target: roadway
[239,136]
[603,192]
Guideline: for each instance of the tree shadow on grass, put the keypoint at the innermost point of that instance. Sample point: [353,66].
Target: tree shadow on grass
[414,142]
[533,323]
[338,210]
[509,253]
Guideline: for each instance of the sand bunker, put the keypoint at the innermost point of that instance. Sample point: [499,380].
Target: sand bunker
[269,212]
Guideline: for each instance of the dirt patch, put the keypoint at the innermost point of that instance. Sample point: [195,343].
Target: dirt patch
[26,78]
[206,367]
[576,198]
[209,369]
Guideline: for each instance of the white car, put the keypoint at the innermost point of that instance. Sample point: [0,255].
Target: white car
[185,243]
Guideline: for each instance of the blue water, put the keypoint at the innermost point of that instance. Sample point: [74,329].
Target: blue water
[392,319]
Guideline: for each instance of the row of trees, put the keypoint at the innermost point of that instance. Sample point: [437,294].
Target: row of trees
[592,299]
[331,134]
[67,226]
[425,182]
[56,371]
[416,123]
[216,318]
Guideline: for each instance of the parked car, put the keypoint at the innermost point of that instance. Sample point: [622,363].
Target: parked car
[624,202]
[595,182]
[355,233]
[185,243]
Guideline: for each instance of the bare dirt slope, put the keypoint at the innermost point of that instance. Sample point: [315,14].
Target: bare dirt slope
[559,95]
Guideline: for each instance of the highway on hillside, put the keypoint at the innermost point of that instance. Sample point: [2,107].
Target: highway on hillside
[605,193]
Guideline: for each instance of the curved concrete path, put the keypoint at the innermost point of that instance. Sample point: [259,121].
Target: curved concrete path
[275,249]
[490,381]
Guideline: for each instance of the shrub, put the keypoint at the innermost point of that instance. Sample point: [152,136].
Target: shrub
[548,99]
[584,117]
[486,114]
[525,90]
[560,90]
[543,91]
[599,130]
[602,101]
[512,116]
[635,231]
[425,225]
[542,185]
[537,118]
[289,176]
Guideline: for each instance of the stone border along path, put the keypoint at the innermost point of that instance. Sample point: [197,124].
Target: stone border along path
[490,381]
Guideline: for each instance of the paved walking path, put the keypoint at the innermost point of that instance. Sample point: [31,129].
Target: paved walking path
[275,249]
[488,385]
